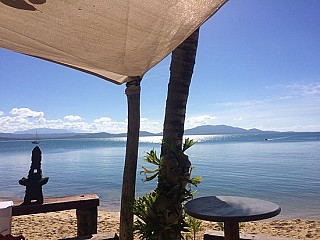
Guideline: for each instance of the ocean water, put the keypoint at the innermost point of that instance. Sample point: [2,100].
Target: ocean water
[281,167]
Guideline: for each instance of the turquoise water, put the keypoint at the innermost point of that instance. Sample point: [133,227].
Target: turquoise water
[284,169]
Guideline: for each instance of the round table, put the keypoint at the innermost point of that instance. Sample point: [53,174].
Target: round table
[231,210]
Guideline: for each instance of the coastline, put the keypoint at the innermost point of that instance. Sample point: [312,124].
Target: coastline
[59,225]
[284,171]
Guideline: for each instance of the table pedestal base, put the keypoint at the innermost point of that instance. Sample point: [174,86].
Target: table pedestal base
[231,231]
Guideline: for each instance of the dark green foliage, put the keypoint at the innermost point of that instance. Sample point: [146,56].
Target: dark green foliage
[160,214]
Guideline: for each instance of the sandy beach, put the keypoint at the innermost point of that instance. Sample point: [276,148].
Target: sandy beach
[59,225]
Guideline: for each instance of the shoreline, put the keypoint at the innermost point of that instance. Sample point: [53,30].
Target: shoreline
[105,207]
[59,225]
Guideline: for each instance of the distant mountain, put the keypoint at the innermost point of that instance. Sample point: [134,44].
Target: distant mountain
[46,133]
[13,136]
[61,134]
[220,129]
[110,135]
[42,133]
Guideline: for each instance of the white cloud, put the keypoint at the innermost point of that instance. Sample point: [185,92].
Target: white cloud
[41,120]
[196,121]
[103,120]
[26,113]
[106,124]
[72,118]
[238,119]
[311,89]
[19,119]
[12,124]
[298,114]
[294,90]
[54,121]
[238,104]
[150,125]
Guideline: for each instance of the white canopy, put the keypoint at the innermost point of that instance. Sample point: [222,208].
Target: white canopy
[111,39]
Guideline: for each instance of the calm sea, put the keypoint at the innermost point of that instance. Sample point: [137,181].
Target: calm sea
[283,168]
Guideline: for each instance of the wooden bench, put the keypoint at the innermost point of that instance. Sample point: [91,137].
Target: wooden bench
[86,210]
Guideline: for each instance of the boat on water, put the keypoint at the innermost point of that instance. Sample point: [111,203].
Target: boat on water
[37,140]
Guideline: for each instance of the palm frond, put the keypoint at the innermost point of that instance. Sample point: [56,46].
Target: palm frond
[148,171]
[152,157]
[151,177]
[187,144]
[196,180]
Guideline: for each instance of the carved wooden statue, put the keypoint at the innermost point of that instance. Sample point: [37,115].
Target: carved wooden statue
[35,181]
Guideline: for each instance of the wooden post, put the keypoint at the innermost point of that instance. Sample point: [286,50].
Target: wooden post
[130,167]
[87,221]
[231,231]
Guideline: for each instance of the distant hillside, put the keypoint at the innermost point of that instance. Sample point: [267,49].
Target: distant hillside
[219,129]
[44,131]
[65,134]
[109,135]
[14,136]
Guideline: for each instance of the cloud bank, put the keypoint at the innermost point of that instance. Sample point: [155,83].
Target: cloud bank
[20,119]
[293,107]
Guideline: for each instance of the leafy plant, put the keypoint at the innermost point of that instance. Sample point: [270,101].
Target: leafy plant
[194,226]
[160,213]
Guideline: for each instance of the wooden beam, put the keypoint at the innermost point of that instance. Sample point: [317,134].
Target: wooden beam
[130,167]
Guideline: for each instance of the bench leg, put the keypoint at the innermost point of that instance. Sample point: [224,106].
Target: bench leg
[87,221]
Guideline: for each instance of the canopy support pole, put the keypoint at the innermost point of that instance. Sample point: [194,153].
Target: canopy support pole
[130,167]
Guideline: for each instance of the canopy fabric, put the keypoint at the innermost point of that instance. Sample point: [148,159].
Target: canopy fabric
[114,40]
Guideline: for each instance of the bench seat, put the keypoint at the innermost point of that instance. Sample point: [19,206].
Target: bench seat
[86,209]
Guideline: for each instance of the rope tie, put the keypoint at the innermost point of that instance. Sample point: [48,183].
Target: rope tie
[133,87]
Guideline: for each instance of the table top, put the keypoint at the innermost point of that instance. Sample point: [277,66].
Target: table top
[231,208]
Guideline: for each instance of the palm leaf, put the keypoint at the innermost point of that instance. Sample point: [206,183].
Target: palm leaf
[151,177]
[148,171]
[152,158]
[187,144]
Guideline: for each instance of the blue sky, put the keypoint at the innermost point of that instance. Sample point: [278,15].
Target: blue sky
[258,66]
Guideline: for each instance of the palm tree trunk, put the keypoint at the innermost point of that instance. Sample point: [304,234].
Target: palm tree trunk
[181,70]
[175,165]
